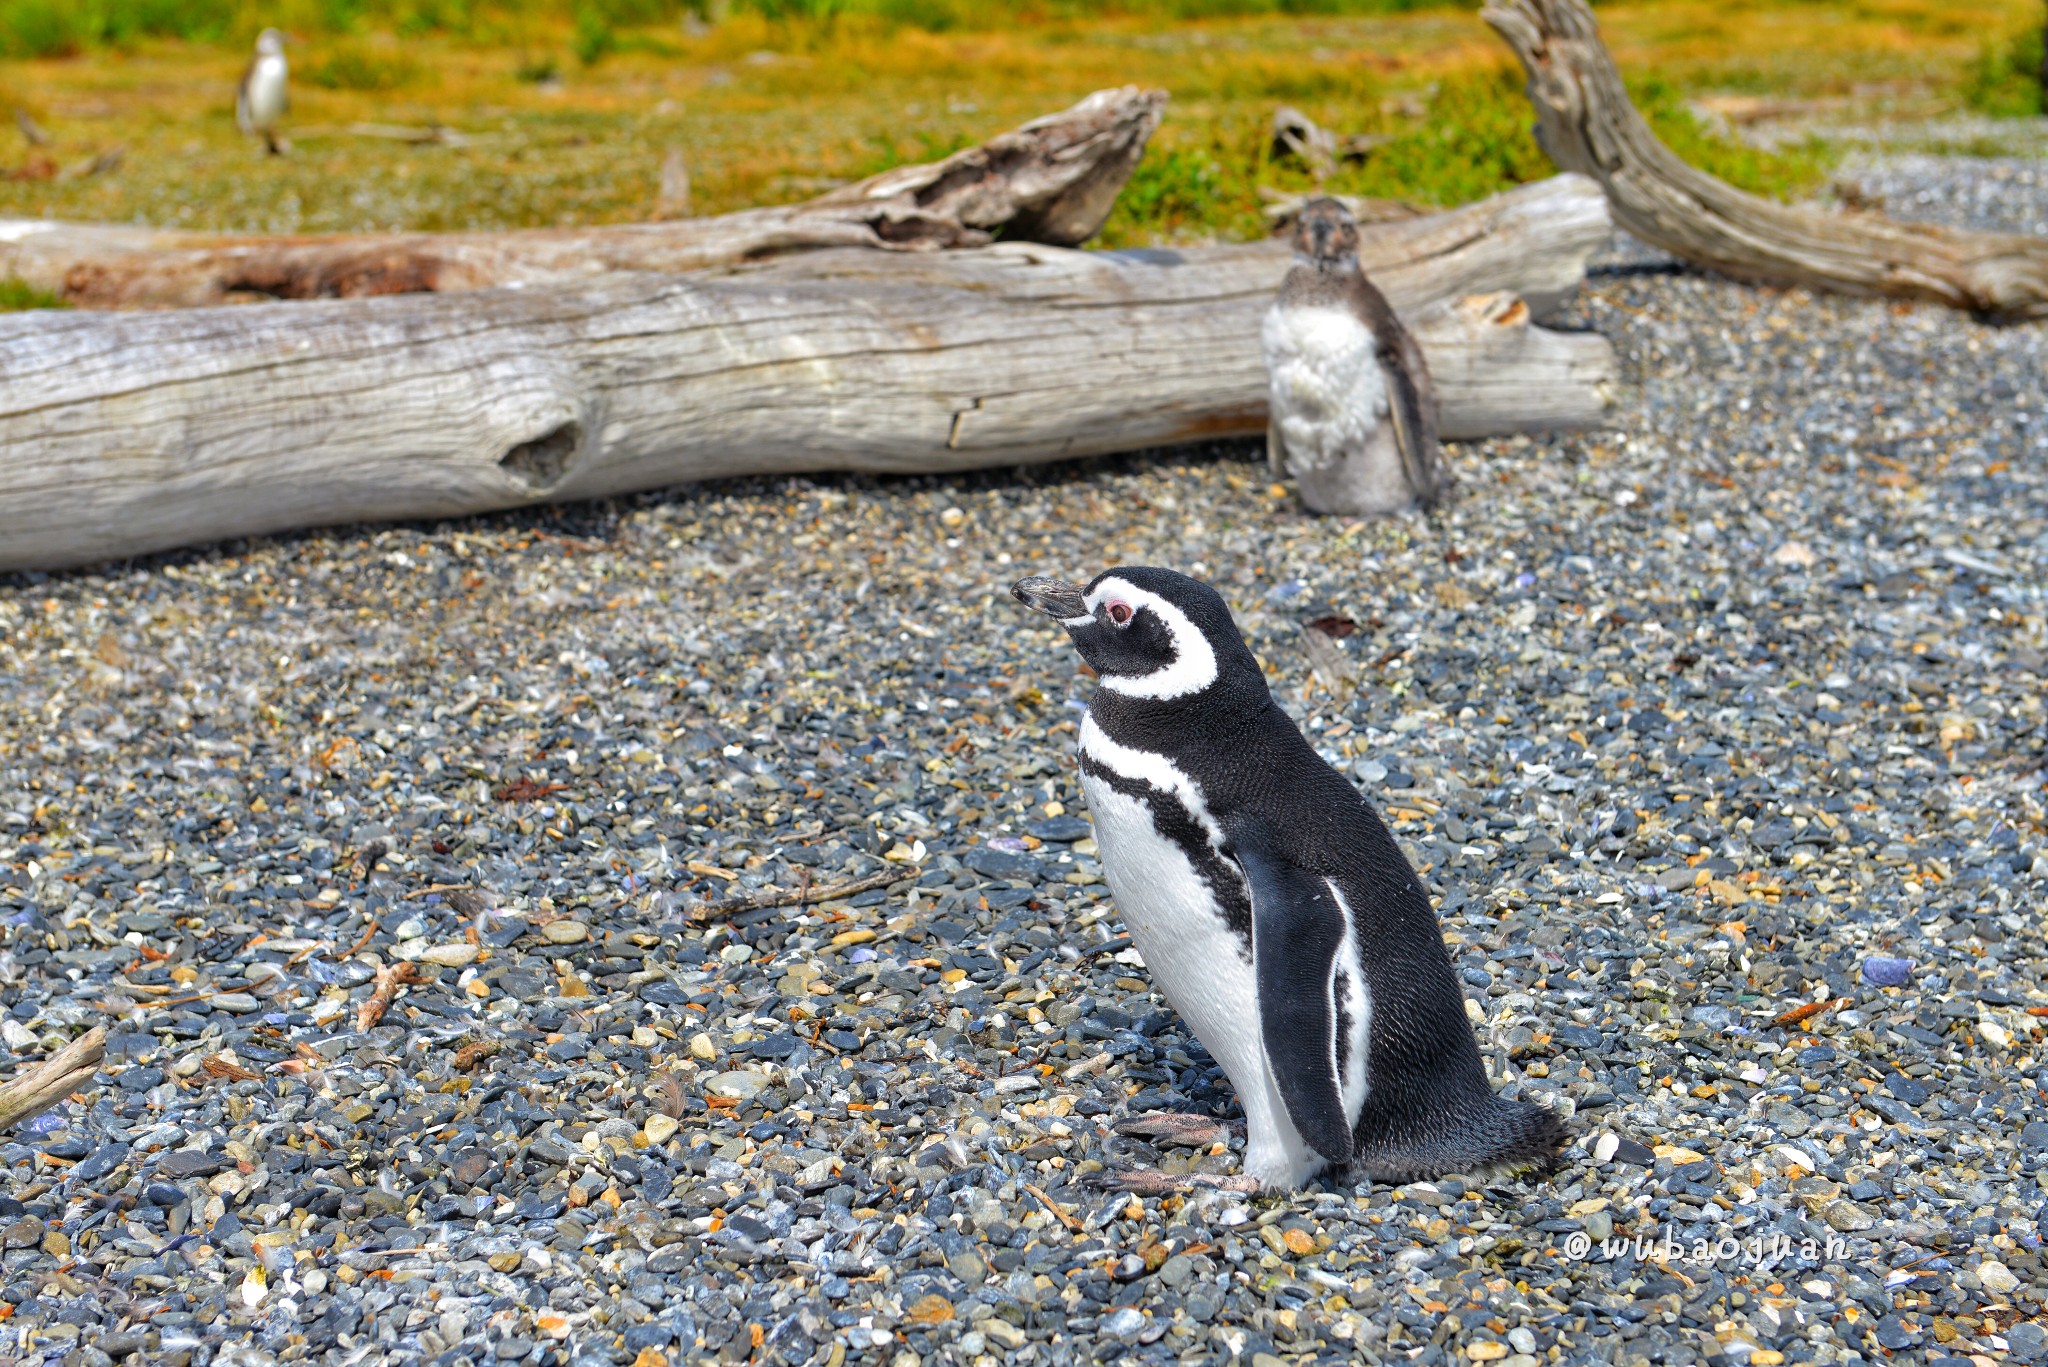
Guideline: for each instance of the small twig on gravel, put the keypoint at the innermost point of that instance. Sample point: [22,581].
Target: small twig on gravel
[1803,1013]
[1060,1212]
[379,1001]
[32,1091]
[357,947]
[807,895]
[712,871]
[430,889]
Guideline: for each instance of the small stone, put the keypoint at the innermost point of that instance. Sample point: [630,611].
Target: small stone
[1129,1320]
[928,1310]
[240,1003]
[1003,1332]
[1848,1217]
[738,1085]
[1521,1339]
[472,1166]
[651,1357]
[1605,1146]
[701,1047]
[1629,1151]
[1299,1242]
[661,1128]
[967,1265]
[26,1232]
[565,932]
[1883,972]
[452,956]
[1997,1277]
[553,1323]
[1488,1351]
[2028,1341]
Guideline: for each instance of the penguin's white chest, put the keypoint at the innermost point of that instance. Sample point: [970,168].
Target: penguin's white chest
[265,96]
[1327,391]
[1199,963]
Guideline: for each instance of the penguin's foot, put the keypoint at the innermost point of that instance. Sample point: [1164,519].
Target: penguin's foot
[1176,1129]
[1151,1182]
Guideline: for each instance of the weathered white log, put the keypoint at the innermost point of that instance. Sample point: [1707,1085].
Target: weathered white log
[1585,121]
[1052,180]
[122,433]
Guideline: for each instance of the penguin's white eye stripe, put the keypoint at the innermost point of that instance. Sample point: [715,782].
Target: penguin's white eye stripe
[1194,660]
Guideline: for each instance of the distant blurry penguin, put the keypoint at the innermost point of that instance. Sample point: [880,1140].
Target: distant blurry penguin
[1353,411]
[260,103]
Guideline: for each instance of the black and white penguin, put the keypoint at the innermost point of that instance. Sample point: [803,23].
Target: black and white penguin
[1271,904]
[1352,411]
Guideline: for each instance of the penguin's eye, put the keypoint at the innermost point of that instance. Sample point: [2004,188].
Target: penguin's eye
[1120,613]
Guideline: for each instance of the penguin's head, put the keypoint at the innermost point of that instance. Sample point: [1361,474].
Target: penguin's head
[270,43]
[1150,633]
[1326,233]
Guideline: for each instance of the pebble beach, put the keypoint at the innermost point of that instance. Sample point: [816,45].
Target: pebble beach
[669,930]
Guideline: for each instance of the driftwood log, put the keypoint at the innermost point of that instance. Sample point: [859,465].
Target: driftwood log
[40,1086]
[1585,121]
[1053,180]
[122,433]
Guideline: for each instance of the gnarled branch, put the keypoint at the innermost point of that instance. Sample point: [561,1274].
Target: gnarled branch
[1585,122]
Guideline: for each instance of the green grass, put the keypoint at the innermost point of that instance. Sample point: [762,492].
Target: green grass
[568,107]
[62,28]
[17,296]
[2006,80]
[1473,139]
[1784,173]
[357,66]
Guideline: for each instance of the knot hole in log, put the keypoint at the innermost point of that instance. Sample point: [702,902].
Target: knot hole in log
[541,463]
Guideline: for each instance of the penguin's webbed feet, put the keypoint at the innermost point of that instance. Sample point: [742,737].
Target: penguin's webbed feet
[1176,1129]
[1152,1182]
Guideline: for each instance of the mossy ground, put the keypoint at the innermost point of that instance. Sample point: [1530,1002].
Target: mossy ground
[567,108]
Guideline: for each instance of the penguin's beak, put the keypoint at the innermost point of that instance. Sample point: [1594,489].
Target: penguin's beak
[1053,597]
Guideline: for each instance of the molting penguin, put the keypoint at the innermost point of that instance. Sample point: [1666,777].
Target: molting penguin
[1271,904]
[1353,412]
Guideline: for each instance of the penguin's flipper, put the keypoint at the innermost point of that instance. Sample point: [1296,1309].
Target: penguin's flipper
[1409,403]
[1297,930]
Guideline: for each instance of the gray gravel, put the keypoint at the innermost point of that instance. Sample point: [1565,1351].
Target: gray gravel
[1729,711]
[2006,194]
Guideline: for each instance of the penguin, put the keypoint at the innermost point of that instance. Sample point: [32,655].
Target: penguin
[260,101]
[1352,412]
[1271,904]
